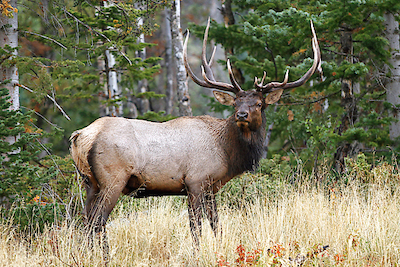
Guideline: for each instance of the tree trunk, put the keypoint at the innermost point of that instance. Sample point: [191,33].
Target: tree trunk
[169,92]
[229,19]
[9,36]
[143,104]
[112,90]
[177,41]
[348,102]
[393,84]
[268,135]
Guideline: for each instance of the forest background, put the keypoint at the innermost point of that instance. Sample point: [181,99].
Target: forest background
[76,61]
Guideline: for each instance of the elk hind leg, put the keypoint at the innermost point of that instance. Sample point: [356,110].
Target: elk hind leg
[91,209]
[106,200]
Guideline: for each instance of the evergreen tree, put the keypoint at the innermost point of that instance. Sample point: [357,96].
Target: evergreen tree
[18,177]
[63,46]
[315,120]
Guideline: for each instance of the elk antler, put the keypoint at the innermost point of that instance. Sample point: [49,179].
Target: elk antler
[272,86]
[208,76]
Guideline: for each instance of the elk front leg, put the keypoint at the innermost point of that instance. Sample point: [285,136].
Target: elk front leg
[194,208]
[210,208]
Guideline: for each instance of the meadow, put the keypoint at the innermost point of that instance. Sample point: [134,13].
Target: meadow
[277,219]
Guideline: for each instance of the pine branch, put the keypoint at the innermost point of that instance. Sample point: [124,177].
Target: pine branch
[310,102]
[96,32]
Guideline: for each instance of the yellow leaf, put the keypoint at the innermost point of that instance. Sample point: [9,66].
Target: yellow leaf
[301,51]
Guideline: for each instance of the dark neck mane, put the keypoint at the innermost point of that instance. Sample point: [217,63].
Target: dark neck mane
[243,154]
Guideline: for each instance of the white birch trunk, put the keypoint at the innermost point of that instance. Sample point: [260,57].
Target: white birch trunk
[112,90]
[169,99]
[177,42]
[143,103]
[9,36]
[393,85]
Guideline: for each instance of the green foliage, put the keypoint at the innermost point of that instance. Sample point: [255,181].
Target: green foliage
[55,200]
[274,36]
[271,177]
[17,174]
[21,180]
[63,45]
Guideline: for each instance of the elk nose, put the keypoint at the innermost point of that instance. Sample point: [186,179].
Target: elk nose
[242,115]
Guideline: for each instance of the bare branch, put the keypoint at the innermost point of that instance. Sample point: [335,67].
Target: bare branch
[51,98]
[45,37]
[41,116]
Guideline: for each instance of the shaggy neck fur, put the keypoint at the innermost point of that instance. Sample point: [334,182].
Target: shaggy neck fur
[243,151]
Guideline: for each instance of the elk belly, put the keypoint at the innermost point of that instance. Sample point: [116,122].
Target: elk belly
[141,185]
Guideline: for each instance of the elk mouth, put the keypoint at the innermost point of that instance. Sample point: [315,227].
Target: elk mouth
[244,127]
[242,123]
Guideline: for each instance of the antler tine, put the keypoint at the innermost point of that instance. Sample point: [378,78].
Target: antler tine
[232,77]
[188,69]
[218,85]
[315,45]
[316,66]
[206,72]
[272,85]
[207,66]
[212,56]
[258,85]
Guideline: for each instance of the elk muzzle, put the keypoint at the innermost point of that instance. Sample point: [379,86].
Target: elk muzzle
[242,116]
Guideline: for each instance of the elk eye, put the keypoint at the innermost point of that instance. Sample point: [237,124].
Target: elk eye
[259,105]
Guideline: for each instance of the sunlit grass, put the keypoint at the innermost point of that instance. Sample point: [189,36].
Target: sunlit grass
[356,224]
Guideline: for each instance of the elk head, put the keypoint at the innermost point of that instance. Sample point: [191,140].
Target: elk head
[249,105]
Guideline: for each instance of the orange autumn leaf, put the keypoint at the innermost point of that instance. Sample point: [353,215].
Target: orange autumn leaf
[301,51]
[29,129]
[290,115]
[317,106]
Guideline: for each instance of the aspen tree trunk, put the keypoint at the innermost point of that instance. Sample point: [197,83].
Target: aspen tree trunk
[112,90]
[229,19]
[143,104]
[393,84]
[9,36]
[177,41]
[348,102]
[169,92]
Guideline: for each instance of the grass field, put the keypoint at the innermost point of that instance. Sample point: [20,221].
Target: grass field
[352,224]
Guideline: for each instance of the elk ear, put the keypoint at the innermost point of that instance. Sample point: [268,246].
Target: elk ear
[224,98]
[273,97]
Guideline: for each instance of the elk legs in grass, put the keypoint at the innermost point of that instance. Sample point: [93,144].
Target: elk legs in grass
[199,202]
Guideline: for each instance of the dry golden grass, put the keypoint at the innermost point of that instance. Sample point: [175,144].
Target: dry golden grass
[360,223]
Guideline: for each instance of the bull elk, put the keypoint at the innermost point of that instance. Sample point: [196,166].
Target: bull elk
[193,156]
